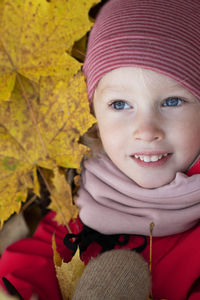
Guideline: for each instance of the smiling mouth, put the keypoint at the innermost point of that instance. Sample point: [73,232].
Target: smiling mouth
[150,158]
[154,160]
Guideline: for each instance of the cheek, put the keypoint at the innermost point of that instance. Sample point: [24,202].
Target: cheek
[187,139]
[192,142]
[111,135]
[185,128]
[191,130]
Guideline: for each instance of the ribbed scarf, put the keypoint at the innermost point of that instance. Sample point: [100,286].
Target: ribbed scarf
[112,203]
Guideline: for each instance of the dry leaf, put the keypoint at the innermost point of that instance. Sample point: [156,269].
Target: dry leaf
[66,116]
[67,273]
[79,49]
[15,177]
[34,37]
[62,115]
[1,9]
[47,109]
[62,199]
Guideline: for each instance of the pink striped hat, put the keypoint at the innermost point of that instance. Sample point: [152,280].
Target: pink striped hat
[160,35]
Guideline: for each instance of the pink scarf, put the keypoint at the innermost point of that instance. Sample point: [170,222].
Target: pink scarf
[112,203]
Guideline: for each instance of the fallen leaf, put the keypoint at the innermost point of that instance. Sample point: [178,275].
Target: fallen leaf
[1,9]
[65,114]
[35,36]
[47,108]
[79,49]
[67,273]
[61,197]
[62,115]
[15,176]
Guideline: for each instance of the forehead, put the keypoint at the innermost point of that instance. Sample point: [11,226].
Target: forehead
[133,78]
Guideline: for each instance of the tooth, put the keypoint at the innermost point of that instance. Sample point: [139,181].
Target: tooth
[154,158]
[147,158]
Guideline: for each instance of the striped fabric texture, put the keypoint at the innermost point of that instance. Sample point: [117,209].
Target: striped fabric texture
[161,35]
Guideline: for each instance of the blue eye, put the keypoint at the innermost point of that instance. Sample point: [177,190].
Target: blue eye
[120,105]
[173,101]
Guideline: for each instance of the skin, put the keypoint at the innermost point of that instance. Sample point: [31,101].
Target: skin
[139,111]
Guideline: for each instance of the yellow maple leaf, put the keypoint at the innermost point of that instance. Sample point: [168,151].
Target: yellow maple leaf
[15,176]
[67,273]
[61,197]
[45,115]
[1,8]
[13,190]
[62,115]
[66,115]
[34,37]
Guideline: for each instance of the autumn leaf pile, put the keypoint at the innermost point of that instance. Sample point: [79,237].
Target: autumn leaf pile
[43,100]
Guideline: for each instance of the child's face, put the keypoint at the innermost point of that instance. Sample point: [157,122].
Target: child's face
[144,113]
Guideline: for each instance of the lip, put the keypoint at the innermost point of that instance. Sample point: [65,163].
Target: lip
[152,164]
[150,153]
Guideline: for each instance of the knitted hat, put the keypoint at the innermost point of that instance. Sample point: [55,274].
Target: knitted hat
[160,35]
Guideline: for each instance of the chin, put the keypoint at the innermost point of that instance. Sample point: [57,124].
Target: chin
[152,183]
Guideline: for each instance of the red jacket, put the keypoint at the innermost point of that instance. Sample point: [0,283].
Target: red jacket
[28,263]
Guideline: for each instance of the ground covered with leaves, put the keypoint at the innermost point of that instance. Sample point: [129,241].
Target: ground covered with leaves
[43,102]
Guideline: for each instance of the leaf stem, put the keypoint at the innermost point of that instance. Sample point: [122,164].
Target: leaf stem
[29,202]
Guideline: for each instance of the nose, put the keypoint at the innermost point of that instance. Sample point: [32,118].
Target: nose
[148,132]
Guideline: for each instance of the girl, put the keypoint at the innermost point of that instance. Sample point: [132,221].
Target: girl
[143,70]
